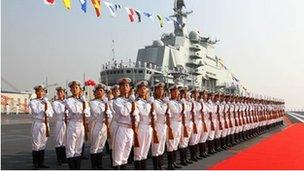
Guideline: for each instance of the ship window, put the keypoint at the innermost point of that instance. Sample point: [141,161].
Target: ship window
[128,71]
[135,71]
[140,71]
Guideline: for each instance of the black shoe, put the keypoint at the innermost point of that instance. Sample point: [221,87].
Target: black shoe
[155,162]
[192,153]
[41,160]
[58,155]
[94,161]
[71,163]
[77,162]
[218,145]
[143,165]
[196,150]
[123,167]
[35,156]
[160,162]
[99,161]
[182,157]
[174,160]
[170,160]
[185,154]
[137,165]
[63,155]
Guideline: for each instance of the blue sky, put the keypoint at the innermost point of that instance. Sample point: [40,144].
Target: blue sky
[261,40]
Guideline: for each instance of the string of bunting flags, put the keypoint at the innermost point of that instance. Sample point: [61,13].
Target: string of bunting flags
[134,15]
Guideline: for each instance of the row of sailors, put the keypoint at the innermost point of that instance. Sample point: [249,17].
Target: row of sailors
[200,122]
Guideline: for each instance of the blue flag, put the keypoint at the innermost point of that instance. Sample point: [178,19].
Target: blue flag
[83,5]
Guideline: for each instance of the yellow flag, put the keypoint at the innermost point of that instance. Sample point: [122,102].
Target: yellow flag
[97,6]
[67,4]
[161,20]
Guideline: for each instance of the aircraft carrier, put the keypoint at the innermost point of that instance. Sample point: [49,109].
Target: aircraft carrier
[182,57]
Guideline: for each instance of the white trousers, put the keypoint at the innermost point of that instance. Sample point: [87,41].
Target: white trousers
[172,145]
[122,138]
[159,149]
[145,138]
[194,139]
[75,139]
[39,138]
[98,137]
[60,134]
[184,141]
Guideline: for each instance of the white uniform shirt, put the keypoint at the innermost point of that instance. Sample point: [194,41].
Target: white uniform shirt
[37,109]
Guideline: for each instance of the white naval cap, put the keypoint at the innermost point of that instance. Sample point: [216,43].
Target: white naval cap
[114,87]
[100,86]
[195,89]
[75,82]
[160,84]
[40,86]
[175,86]
[60,88]
[183,88]
[124,80]
[142,83]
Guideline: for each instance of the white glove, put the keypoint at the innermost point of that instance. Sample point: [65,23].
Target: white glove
[45,100]
[105,99]
[82,98]
[132,98]
[166,99]
[150,99]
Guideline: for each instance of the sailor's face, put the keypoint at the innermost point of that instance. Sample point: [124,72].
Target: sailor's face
[115,92]
[99,93]
[40,93]
[159,91]
[174,93]
[124,88]
[75,90]
[142,91]
[61,94]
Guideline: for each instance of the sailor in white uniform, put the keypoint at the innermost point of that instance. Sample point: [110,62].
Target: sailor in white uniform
[196,119]
[41,110]
[175,109]
[187,128]
[78,111]
[60,125]
[206,123]
[101,116]
[126,117]
[143,103]
[160,107]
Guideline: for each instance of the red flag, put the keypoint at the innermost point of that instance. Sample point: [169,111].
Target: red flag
[131,13]
[49,2]
[96,4]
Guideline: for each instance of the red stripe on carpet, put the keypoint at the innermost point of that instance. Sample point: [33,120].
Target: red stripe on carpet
[283,150]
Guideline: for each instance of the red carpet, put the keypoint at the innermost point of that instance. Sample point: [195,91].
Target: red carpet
[281,151]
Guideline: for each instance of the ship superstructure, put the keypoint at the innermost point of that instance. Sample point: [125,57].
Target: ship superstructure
[181,57]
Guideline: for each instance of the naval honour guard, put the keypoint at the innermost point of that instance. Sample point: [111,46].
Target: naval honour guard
[126,119]
[174,124]
[187,126]
[77,111]
[101,116]
[41,110]
[197,126]
[146,114]
[60,125]
[161,110]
